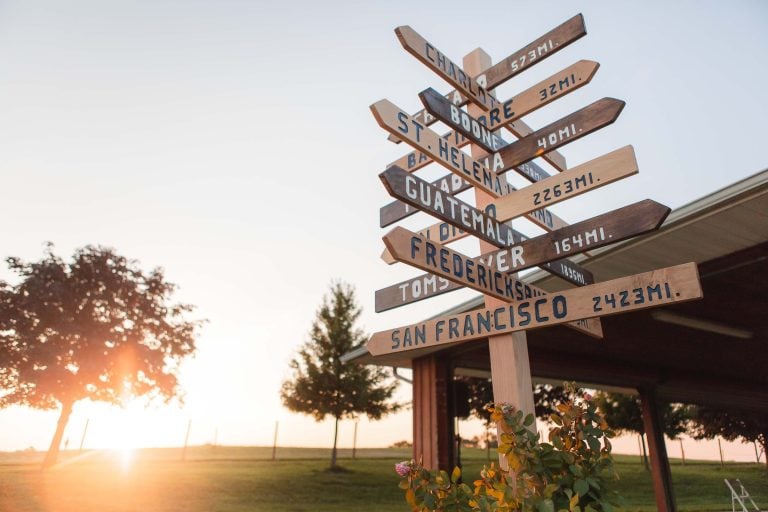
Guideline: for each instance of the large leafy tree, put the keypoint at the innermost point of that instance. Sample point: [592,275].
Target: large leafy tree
[321,384]
[96,327]
[731,424]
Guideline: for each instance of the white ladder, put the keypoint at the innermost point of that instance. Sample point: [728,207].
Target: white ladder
[740,496]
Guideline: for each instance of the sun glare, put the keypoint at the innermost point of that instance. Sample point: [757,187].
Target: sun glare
[126,436]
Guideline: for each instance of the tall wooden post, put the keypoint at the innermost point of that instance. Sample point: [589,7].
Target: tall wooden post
[510,366]
[660,472]
[432,428]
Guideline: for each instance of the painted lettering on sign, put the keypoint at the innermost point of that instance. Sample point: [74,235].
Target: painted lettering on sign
[480,130]
[640,291]
[568,129]
[429,283]
[460,216]
[567,187]
[554,40]
[422,138]
[598,172]
[590,237]
[436,60]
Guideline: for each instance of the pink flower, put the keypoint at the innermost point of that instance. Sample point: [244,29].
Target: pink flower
[587,397]
[403,468]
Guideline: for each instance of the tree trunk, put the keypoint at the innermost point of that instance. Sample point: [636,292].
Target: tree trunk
[645,453]
[335,438]
[53,451]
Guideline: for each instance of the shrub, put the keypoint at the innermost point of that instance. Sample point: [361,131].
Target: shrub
[571,471]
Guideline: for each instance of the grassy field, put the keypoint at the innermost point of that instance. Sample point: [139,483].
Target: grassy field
[245,479]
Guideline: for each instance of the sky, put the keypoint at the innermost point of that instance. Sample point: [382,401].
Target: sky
[231,143]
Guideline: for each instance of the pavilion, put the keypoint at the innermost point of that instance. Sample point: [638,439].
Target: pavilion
[713,351]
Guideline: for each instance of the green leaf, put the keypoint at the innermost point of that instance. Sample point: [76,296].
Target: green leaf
[581,487]
[594,444]
[550,490]
[529,420]
[546,506]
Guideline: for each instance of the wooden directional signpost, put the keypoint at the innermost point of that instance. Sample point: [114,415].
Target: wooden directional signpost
[476,117]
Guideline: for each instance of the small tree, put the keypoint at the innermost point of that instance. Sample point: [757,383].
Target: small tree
[731,424]
[96,328]
[321,384]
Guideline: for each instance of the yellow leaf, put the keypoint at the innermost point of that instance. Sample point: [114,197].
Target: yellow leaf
[456,474]
[410,497]
[574,502]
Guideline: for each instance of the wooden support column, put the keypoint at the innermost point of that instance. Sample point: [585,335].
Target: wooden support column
[432,426]
[660,472]
[510,366]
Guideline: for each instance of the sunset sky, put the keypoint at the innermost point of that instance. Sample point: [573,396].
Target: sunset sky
[231,143]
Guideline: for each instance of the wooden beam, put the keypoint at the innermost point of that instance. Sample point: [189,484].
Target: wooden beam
[510,367]
[654,429]
[431,434]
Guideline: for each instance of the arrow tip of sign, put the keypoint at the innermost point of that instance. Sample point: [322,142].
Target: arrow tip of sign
[615,103]
[402,32]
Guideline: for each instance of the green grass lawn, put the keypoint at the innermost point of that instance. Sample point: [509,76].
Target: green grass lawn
[240,479]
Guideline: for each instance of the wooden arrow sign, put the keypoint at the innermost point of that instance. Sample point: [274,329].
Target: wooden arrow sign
[436,60]
[420,137]
[480,130]
[596,173]
[600,171]
[440,150]
[608,228]
[640,291]
[431,285]
[517,62]
[490,279]
[397,210]
[432,200]
[568,129]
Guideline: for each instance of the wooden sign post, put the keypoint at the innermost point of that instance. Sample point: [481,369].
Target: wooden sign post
[510,366]
[477,118]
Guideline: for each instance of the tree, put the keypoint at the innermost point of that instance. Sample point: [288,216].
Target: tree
[322,385]
[749,426]
[624,414]
[473,394]
[96,327]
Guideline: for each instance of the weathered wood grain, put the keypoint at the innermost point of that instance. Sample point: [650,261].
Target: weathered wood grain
[430,199]
[517,62]
[559,133]
[480,130]
[668,285]
[443,151]
[438,62]
[601,171]
[598,172]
